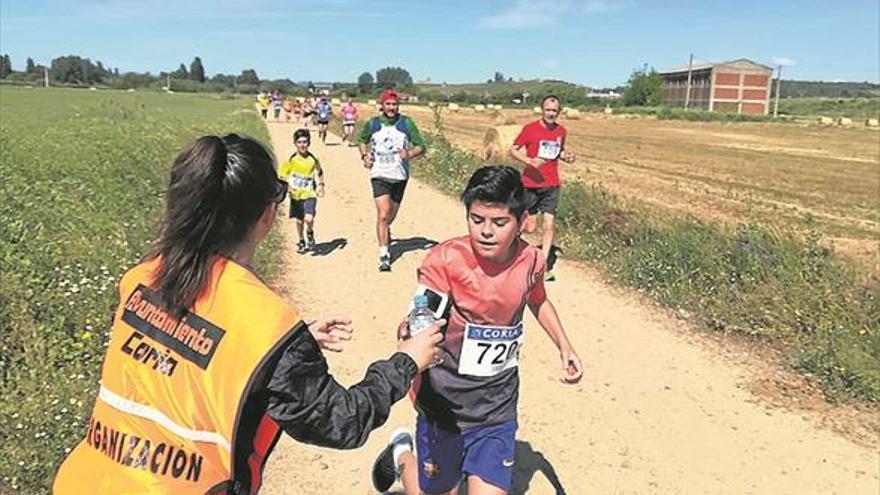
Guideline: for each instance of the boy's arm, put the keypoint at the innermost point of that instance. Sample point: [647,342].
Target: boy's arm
[319,174]
[545,312]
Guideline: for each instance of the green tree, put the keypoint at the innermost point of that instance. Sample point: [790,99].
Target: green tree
[644,88]
[196,70]
[180,73]
[72,69]
[365,82]
[30,66]
[499,77]
[5,66]
[393,77]
[249,76]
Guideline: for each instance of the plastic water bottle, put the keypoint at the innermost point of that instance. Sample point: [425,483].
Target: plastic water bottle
[421,317]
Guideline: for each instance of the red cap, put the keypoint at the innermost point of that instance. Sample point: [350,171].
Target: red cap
[388,94]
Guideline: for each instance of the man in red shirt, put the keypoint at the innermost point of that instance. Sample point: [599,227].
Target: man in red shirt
[544,145]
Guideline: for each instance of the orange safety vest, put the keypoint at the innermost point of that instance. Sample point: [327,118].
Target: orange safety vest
[172,414]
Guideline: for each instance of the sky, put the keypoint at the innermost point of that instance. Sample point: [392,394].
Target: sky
[591,42]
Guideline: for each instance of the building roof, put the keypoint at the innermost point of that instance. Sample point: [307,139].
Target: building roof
[740,63]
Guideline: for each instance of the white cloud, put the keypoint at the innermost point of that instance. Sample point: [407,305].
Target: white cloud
[542,13]
[783,61]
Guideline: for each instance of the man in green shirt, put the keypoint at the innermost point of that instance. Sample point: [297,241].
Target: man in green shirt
[387,143]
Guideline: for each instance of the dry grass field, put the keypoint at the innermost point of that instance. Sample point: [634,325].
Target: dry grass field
[784,175]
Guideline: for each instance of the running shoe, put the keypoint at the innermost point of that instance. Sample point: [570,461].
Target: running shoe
[301,247]
[549,276]
[384,468]
[385,263]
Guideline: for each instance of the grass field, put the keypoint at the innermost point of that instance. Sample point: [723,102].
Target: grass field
[784,176]
[854,108]
[82,175]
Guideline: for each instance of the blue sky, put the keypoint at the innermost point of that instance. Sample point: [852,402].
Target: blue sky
[594,42]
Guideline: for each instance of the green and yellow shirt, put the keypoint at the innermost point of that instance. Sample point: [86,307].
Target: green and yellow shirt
[300,172]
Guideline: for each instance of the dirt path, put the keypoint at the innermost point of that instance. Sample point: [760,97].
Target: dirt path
[658,412]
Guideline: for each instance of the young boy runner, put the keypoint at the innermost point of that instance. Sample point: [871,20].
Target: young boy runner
[481,283]
[301,171]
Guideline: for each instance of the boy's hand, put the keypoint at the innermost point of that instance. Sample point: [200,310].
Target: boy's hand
[368,160]
[568,156]
[320,191]
[572,369]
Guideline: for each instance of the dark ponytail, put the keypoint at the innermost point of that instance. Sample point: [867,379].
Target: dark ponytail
[219,187]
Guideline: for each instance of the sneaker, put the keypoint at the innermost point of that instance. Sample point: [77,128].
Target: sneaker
[310,235]
[549,276]
[301,247]
[385,263]
[384,468]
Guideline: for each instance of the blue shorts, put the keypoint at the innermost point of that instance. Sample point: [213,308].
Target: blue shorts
[445,456]
[299,208]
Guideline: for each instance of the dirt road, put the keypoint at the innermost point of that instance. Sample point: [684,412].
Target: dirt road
[659,411]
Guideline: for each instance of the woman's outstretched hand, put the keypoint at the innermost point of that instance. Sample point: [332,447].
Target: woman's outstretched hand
[331,333]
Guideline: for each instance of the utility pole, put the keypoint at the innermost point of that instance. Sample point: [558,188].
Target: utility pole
[778,82]
[167,82]
[687,96]
[45,76]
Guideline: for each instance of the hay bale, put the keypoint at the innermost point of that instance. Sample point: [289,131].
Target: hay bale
[335,101]
[872,123]
[844,121]
[453,107]
[479,108]
[826,121]
[499,107]
[431,104]
[609,110]
[571,113]
[371,102]
[536,110]
[498,141]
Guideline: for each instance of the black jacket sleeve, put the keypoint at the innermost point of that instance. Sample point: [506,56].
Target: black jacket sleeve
[311,406]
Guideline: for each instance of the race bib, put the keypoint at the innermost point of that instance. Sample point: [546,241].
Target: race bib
[301,182]
[549,150]
[489,350]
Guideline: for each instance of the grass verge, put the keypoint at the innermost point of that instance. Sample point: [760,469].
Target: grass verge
[748,279]
[82,175]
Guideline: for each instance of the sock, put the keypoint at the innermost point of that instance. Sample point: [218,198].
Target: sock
[383,251]
[396,452]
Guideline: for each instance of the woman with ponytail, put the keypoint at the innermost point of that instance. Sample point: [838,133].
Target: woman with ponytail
[206,365]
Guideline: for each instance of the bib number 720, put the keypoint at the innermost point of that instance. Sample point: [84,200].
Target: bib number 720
[489,350]
[502,351]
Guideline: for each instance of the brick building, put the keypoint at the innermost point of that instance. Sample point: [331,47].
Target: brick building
[740,86]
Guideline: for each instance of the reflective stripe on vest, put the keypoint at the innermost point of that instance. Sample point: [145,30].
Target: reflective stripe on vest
[156,416]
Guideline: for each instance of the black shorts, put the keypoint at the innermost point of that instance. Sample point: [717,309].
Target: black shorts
[543,200]
[323,122]
[383,187]
[299,208]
